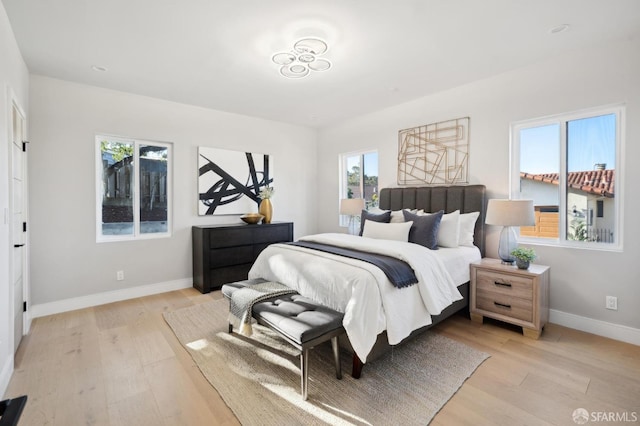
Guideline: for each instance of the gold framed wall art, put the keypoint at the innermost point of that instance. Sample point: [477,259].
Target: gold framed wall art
[434,154]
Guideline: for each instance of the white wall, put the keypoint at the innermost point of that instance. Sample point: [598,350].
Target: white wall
[598,76]
[67,262]
[14,82]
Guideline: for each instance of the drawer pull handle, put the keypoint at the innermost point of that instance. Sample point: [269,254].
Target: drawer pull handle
[502,284]
[502,305]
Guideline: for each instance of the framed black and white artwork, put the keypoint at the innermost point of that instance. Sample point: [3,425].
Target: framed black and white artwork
[229,181]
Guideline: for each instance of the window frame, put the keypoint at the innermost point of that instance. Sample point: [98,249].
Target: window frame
[136,235]
[344,219]
[561,120]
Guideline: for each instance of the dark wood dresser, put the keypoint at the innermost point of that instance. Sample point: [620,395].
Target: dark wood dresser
[225,253]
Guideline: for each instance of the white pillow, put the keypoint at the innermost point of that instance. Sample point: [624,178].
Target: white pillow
[387,231]
[449,231]
[398,217]
[467,228]
[376,210]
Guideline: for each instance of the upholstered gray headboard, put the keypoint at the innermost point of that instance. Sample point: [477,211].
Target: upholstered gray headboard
[467,199]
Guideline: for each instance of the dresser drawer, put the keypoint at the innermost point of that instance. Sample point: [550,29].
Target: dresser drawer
[505,284]
[272,234]
[231,256]
[499,303]
[232,236]
[228,274]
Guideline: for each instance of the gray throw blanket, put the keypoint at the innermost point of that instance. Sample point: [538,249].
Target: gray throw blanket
[243,299]
[398,271]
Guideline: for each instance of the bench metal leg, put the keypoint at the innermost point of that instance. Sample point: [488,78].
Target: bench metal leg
[336,356]
[304,372]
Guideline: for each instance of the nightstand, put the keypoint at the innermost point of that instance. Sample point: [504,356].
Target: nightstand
[509,294]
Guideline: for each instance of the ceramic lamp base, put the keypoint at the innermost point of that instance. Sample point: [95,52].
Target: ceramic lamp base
[508,243]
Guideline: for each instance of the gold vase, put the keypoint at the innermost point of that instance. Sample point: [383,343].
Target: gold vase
[266,210]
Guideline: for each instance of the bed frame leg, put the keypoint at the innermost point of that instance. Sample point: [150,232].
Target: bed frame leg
[357,367]
[336,356]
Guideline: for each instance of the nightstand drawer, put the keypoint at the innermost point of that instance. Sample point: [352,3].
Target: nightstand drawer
[513,307]
[505,284]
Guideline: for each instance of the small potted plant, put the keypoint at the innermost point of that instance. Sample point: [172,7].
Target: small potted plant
[524,256]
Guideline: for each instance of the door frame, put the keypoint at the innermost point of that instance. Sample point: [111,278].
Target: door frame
[26,296]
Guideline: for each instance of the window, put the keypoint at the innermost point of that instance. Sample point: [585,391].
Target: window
[133,187]
[569,165]
[359,178]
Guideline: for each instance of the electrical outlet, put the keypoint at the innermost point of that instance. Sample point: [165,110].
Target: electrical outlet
[612,303]
[120,275]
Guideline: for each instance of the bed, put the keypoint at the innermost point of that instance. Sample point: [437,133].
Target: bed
[377,314]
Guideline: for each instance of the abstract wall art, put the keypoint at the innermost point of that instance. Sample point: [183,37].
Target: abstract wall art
[434,153]
[229,181]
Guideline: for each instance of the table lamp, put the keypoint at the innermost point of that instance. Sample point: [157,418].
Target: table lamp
[351,207]
[509,213]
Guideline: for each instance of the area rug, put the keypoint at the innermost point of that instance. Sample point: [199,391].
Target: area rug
[259,377]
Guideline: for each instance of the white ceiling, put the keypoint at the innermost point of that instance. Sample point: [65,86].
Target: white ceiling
[217,53]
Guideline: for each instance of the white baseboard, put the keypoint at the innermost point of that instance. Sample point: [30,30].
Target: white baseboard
[88,301]
[594,326]
[5,375]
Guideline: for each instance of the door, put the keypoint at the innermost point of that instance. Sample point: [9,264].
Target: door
[18,224]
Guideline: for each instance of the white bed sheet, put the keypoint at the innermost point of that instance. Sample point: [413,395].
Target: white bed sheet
[362,291]
[456,261]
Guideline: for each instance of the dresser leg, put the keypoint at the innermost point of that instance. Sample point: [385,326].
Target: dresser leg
[532,334]
[476,317]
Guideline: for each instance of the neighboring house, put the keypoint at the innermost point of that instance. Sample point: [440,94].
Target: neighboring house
[590,204]
[370,193]
[117,201]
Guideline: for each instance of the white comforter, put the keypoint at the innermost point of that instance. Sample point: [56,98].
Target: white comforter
[362,291]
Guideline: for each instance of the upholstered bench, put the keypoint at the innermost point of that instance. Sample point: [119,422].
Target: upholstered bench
[300,321]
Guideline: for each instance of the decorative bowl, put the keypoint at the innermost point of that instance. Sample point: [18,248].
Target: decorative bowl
[252,218]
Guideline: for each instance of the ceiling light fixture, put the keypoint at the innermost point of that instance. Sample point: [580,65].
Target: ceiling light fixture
[303,58]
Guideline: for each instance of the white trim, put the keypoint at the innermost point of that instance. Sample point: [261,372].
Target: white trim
[91,300]
[5,374]
[135,188]
[594,326]
[515,128]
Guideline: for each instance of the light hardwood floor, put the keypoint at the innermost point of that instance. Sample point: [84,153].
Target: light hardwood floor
[120,364]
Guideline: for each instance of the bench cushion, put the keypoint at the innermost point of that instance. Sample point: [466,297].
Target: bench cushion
[298,318]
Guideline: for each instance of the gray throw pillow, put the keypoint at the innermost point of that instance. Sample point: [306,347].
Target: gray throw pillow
[365,215]
[425,228]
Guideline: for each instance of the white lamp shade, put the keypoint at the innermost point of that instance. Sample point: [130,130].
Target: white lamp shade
[351,206]
[510,213]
